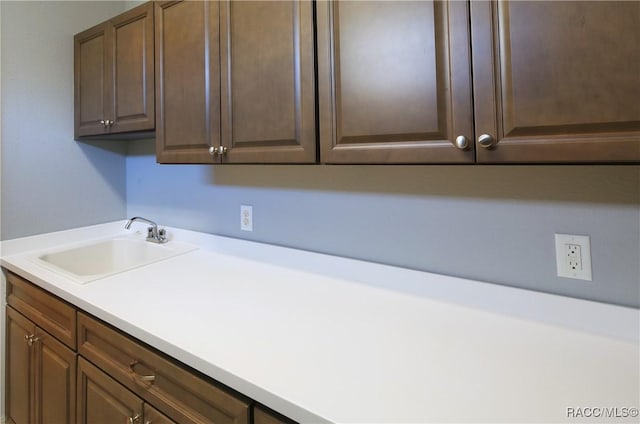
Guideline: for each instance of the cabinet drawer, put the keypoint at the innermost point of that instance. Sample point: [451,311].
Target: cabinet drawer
[53,315]
[262,416]
[172,389]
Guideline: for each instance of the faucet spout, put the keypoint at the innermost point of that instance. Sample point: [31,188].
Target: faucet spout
[139,218]
[154,234]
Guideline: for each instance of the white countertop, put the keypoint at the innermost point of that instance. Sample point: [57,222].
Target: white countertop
[320,338]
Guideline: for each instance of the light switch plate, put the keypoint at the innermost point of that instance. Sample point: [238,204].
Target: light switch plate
[573,256]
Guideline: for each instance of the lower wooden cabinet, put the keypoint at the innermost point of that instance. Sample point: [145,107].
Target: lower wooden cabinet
[41,375]
[181,395]
[112,378]
[102,400]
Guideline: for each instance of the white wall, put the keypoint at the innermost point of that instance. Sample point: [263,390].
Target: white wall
[490,223]
[48,181]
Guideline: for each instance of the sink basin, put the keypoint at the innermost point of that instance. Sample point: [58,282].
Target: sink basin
[104,258]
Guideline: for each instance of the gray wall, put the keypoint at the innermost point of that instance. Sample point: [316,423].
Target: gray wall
[49,181]
[490,223]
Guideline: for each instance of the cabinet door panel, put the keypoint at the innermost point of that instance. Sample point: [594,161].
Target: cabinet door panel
[268,81]
[20,376]
[188,83]
[92,80]
[102,400]
[394,81]
[133,97]
[56,388]
[568,93]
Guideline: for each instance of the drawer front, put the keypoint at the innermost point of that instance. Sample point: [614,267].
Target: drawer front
[53,315]
[176,392]
[262,416]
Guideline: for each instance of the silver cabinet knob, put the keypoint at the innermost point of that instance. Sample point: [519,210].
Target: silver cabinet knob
[109,123]
[462,142]
[146,378]
[103,122]
[134,419]
[31,339]
[217,150]
[486,141]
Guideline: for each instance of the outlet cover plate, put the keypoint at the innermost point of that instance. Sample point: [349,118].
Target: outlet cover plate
[246,218]
[573,256]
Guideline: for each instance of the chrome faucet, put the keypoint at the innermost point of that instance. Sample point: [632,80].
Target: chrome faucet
[154,234]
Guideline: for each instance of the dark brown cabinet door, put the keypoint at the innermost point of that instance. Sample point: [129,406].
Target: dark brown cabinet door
[114,75]
[268,89]
[394,82]
[20,373]
[235,82]
[41,374]
[102,400]
[133,104]
[92,80]
[56,381]
[557,81]
[188,81]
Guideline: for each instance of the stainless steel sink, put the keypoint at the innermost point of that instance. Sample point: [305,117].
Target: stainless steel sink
[104,258]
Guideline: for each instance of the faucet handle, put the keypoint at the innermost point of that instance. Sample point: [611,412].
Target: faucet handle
[157,235]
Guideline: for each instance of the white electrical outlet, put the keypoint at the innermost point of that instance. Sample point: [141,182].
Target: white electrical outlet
[246,218]
[573,256]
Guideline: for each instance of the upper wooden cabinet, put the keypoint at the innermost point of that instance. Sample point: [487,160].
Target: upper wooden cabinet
[557,81]
[552,81]
[188,81]
[114,75]
[268,98]
[397,81]
[394,82]
[235,82]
